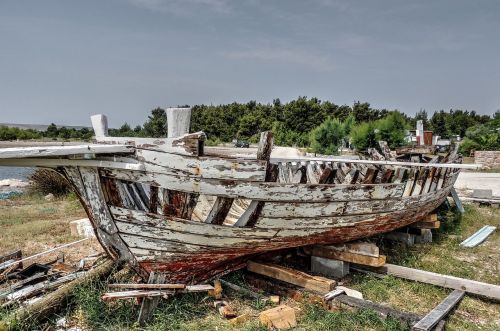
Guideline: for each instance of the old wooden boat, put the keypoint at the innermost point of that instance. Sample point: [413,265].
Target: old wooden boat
[173,206]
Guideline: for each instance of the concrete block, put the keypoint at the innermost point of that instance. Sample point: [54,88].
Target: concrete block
[329,267]
[424,237]
[406,238]
[482,194]
[82,228]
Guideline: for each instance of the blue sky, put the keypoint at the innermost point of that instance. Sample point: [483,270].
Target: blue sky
[61,61]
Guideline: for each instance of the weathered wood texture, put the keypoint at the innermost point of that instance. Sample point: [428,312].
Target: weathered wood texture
[312,283]
[437,314]
[331,252]
[266,191]
[470,286]
[51,303]
[149,303]
[49,151]
[188,144]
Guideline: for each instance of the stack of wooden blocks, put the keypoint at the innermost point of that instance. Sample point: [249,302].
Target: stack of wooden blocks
[335,260]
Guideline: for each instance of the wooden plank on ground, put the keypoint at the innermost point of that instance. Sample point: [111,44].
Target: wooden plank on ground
[456,283]
[313,283]
[333,253]
[439,312]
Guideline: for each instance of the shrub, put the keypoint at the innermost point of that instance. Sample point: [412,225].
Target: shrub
[363,136]
[392,129]
[328,137]
[482,138]
[47,181]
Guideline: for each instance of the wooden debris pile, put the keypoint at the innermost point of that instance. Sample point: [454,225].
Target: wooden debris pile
[23,286]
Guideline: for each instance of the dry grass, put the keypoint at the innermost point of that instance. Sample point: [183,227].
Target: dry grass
[32,224]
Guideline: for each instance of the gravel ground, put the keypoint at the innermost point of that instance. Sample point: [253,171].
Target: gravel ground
[479,180]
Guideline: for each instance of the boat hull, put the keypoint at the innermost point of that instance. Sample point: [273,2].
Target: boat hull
[191,251]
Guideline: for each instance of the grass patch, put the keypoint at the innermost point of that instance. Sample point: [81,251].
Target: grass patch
[443,255]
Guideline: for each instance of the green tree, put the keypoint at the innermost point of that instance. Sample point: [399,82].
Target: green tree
[392,129]
[156,125]
[52,131]
[364,136]
[328,137]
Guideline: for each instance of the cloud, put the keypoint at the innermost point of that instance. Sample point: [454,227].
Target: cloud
[310,59]
[182,7]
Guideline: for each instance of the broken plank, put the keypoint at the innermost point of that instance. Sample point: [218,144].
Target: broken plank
[313,283]
[136,294]
[456,283]
[335,254]
[148,286]
[478,237]
[439,312]
[148,305]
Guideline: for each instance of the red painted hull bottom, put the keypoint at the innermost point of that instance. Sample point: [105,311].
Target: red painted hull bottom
[202,266]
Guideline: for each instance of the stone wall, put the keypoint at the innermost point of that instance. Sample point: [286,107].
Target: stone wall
[490,159]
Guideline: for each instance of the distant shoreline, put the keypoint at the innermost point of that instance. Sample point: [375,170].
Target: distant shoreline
[34,143]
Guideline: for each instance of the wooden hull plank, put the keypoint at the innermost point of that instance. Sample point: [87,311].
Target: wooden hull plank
[267,191]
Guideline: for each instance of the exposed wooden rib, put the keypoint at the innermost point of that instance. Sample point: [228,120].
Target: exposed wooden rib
[179,204]
[142,193]
[428,180]
[125,196]
[154,199]
[219,211]
[393,163]
[441,178]
[312,174]
[386,177]
[249,217]
[410,182]
[370,176]
[420,182]
[134,195]
[327,176]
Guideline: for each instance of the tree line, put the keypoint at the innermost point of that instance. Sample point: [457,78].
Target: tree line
[52,132]
[303,122]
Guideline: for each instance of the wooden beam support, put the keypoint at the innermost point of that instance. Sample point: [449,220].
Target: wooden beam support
[471,286]
[313,283]
[333,253]
[437,314]
[458,203]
